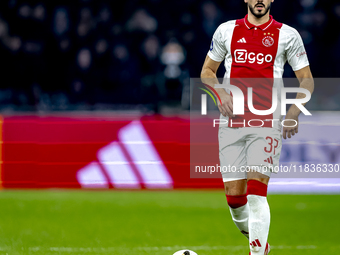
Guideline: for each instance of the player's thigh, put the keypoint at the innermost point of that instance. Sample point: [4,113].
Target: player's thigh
[235,187]
[232,149]
[264,146]
[232,152]
[263,153]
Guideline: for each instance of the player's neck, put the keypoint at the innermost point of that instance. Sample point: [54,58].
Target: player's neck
[257,21]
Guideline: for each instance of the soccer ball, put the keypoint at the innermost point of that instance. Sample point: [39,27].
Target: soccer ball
[185,252]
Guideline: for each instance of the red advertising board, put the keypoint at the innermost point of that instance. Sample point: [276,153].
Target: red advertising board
[103,152]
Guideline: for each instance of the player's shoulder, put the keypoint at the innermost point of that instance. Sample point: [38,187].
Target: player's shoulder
[289,32]
[226,25]
[223,29]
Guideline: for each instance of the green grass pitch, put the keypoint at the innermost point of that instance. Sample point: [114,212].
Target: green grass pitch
[158,223]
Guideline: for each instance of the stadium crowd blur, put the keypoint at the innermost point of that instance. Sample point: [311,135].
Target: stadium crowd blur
[101,54]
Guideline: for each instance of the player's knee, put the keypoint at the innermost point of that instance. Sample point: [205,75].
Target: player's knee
[236,201]
[261,174]
[258,188]
[235,188]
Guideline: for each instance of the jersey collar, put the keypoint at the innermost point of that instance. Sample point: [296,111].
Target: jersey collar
[262,27]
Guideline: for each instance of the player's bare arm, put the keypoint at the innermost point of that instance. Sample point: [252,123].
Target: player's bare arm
[208,76]
[305,78]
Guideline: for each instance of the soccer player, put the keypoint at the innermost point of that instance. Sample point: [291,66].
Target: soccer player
[256,46]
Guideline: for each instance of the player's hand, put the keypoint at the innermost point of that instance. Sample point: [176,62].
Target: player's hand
[288,132]
[226,108]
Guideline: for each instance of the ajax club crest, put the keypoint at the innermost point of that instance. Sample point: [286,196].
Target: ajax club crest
[268,41]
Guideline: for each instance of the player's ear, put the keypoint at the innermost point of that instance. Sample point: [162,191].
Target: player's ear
[246,1]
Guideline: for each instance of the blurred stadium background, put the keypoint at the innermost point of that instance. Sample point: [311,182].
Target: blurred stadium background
[96,95]
[100,55]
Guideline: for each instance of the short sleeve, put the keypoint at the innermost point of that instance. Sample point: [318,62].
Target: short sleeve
[218,50]
[296,53]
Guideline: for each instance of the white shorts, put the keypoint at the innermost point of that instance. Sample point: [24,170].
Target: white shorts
[242,149]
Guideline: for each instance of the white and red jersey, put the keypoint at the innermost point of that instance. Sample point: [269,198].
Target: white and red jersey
[250,52]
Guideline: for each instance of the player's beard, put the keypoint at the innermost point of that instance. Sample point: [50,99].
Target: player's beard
[262,13]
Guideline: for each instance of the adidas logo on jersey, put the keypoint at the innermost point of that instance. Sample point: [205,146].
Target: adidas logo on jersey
[242,40]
